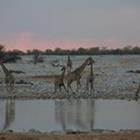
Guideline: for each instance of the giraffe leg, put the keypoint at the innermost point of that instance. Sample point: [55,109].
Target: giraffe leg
[91,85]
[137,92]
[8,87]
[55,88]
[78,84]
[60,88]
[87,83]
[69,86]
[12,87]
[64,87]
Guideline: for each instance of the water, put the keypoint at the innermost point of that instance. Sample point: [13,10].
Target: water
[62,115]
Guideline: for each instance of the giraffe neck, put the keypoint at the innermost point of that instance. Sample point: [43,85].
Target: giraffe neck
[69,63]
[63,74]
[5,70]
[80,69]
[91,70]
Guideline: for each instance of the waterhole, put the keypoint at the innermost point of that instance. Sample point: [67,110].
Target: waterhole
[63,115]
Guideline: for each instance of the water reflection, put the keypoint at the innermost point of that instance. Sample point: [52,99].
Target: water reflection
[74,114]
[9,113]
[92,114]
[62,115]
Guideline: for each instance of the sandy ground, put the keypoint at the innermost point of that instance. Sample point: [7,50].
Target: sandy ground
[90,136]
[111,78]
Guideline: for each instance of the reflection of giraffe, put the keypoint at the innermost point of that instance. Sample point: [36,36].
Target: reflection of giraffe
[78,117]
[60,114]
[9,78]
[77,73]
[9,113]
[70,113]
[91,77]
[92,113]
[69,65]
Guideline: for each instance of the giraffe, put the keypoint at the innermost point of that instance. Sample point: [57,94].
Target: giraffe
[9,78]
[76,74]
[69,65]
[59,80]
[91,77]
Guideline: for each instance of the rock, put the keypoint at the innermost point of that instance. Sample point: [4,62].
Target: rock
[11,131]
[34,131]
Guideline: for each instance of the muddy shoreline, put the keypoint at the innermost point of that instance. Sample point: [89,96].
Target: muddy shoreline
[105,135]
[68,96]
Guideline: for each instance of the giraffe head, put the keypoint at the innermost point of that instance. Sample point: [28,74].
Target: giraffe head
[63,68]
[69,62]
[90,61]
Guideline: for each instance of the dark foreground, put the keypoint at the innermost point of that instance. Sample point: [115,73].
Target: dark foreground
[88,136]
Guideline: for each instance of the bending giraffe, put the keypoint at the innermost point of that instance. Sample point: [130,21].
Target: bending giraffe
[58,80]
[77,73]
[9,78]
[91,77]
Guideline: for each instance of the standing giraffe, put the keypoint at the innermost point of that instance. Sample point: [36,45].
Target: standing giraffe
[69,65]
[77,73]
[59,80]
[9,78]
[91,77]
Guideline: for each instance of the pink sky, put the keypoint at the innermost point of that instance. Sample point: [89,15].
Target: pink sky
[28,41]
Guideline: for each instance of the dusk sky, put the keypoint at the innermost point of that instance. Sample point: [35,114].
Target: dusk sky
[42,24]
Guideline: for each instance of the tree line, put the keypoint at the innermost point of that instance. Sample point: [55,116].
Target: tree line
[80,51]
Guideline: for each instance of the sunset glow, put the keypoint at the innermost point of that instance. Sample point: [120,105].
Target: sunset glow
[27,41]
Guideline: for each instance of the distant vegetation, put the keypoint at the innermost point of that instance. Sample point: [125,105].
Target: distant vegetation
[89,51]
[15,54]
[9,56]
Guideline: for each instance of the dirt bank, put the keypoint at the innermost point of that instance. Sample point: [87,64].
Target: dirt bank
[90,136]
